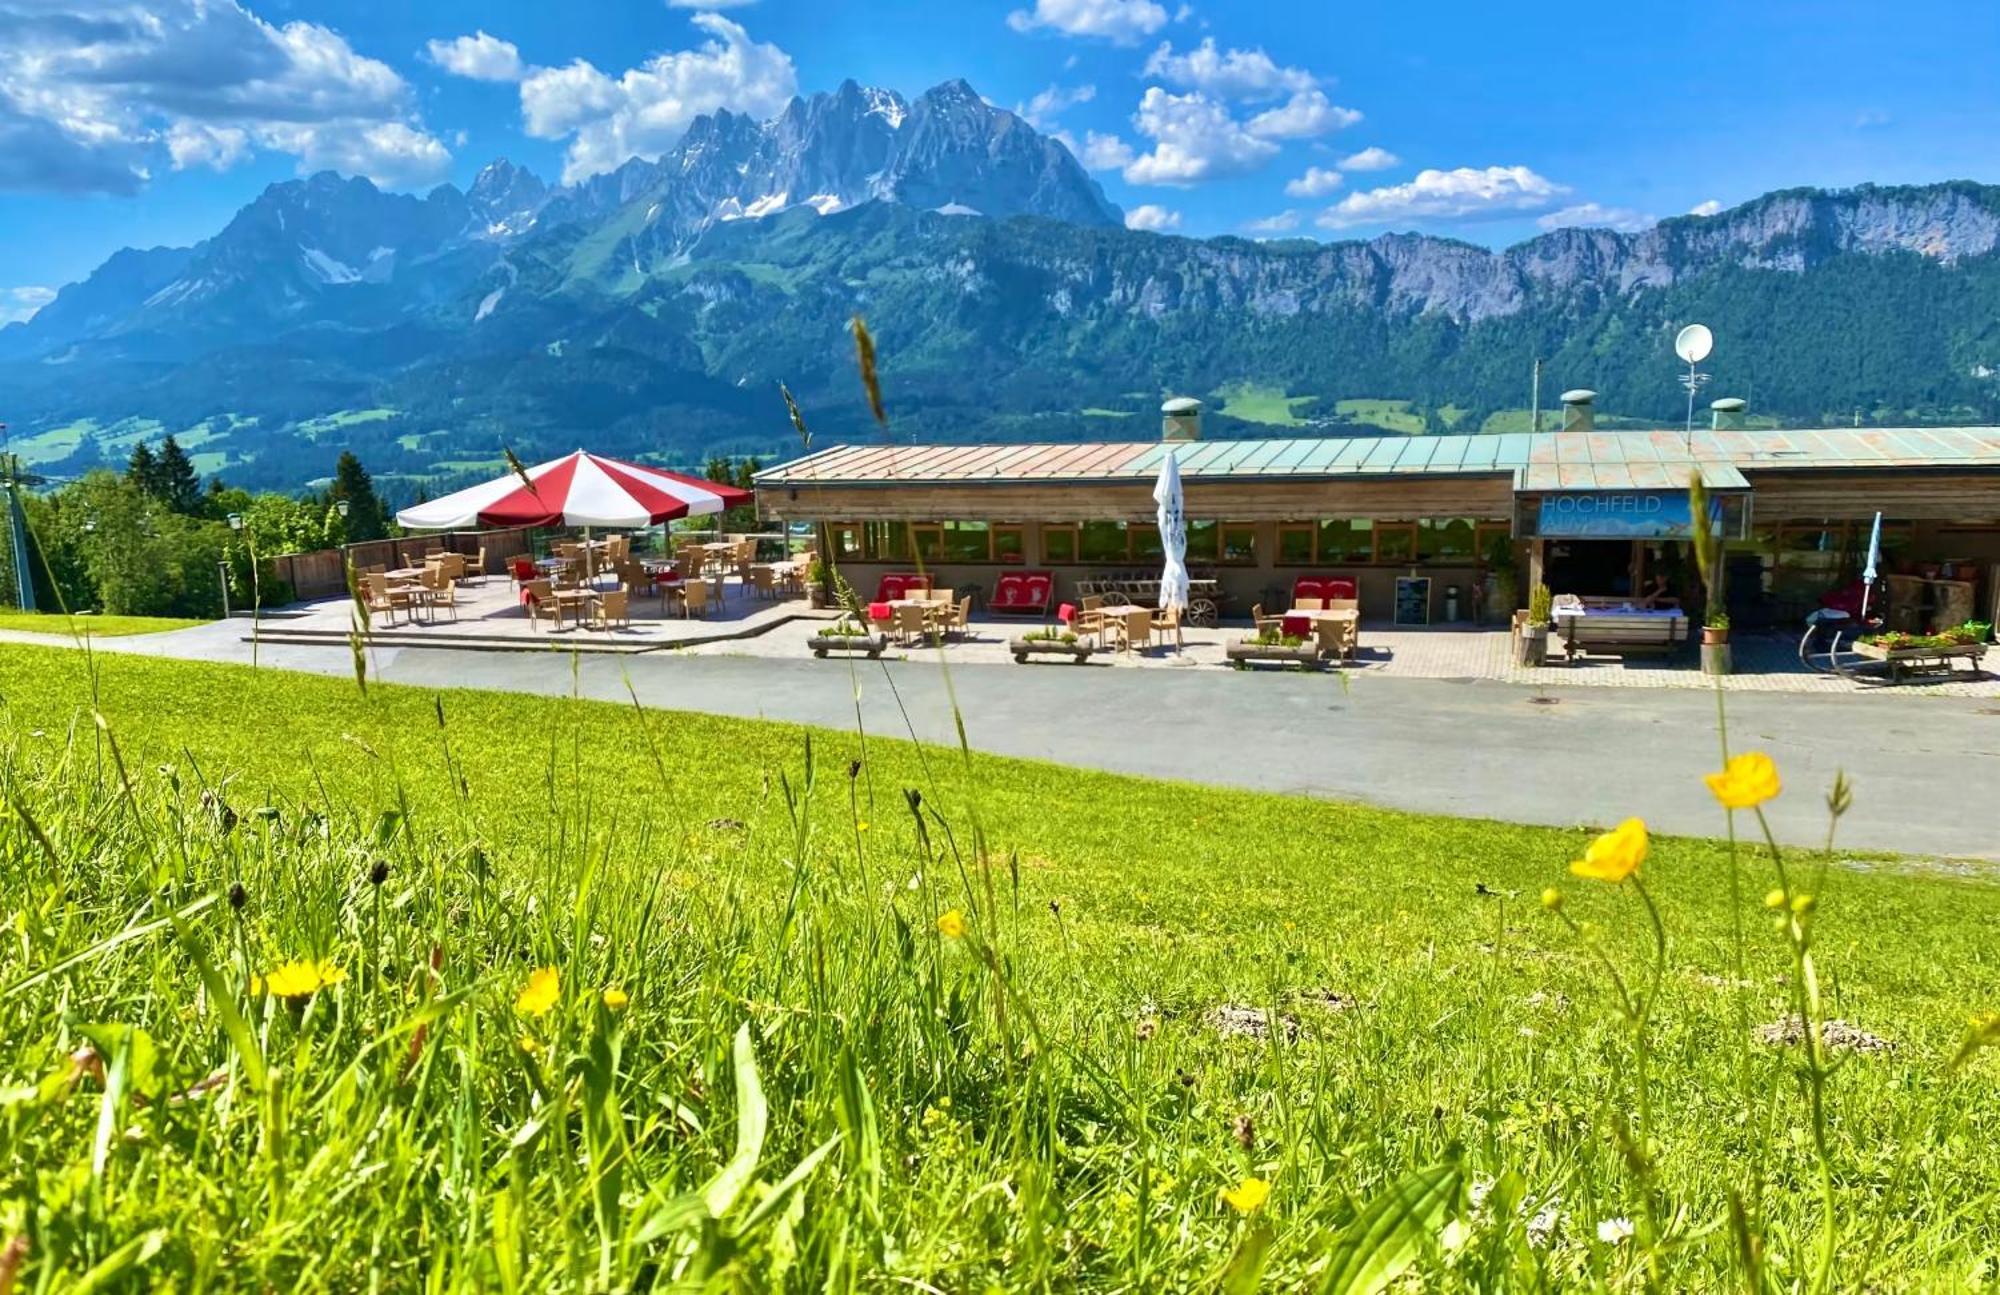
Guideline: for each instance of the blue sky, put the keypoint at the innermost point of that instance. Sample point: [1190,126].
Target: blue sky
[145,122]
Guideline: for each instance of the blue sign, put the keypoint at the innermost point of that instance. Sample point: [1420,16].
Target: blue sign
[1620,515]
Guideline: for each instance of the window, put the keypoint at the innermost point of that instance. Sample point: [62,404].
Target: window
[887,541]
[927,541]
[1395,541]
[1147,546]
[1295,544]
[845,538]
[1102,542]
[1010,544]
[1493,542]
[1346,539]
[1446,539]
[1203,540]
[1058,543]
[965,542]
[1239,544]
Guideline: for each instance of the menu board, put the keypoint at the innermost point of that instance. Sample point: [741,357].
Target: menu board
[1413,600]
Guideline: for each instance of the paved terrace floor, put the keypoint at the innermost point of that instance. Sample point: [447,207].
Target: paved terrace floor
[1435,721]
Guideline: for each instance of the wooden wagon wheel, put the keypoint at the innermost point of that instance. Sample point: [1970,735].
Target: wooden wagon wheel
[1115,598]
[1202,611]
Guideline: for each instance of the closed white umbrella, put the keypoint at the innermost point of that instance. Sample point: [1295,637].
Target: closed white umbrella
[1173,535]
[1868,569]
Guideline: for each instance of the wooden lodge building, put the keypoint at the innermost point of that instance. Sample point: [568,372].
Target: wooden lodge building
[1482,517]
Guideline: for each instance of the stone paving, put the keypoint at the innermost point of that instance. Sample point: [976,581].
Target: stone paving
[1764,663]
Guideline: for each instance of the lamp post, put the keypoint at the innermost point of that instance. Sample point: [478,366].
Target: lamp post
[222,567]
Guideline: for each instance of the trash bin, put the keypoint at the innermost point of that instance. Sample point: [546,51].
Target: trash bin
[1451,602]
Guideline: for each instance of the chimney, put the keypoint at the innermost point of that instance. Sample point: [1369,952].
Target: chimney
[1180,419]
[1576,410]
[1726,414]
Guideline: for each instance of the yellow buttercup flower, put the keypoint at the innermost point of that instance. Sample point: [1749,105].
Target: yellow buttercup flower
[1248,1196]
[1747,781]
[1552,899]
[616,998]
[952,925]
[544,987]
[1616,855]
[300,979]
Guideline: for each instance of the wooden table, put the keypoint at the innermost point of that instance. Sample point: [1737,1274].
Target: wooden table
[1312,616]
[578,598]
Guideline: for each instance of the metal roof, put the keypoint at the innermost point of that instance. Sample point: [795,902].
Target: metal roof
[1599,460]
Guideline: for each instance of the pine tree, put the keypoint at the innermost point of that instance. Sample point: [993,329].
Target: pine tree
[180,484]
[143,470]
[365,520]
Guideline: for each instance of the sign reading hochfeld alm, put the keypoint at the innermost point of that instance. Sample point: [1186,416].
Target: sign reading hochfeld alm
[1619,514]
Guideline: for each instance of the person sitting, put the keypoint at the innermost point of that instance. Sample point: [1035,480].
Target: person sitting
[1656,594]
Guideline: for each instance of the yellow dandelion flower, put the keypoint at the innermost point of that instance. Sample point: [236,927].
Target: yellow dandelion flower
[1616,855]
[1552,899]
[1248,1196]
[529,1045]
[544,987]
[952,925]
[299,979]
[861,827]
[616,998]
[1747,781]
[1774,898]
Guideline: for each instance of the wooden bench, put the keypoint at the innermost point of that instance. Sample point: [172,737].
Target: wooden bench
[1603,630]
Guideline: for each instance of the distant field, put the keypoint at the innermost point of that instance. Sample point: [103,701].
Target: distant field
[1255,403]
[1389,415]
[1095,412]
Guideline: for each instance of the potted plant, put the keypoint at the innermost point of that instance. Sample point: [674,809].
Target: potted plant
[1715,657]
[1272,644]
[818,588]
[1531,641]
[847,636]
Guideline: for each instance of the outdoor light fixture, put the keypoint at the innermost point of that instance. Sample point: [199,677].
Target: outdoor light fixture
[340,506]
[236,521]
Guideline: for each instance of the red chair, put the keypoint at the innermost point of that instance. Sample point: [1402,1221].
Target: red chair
[522,570]
[897,584]
[881,613]
[1339,587]
[1022,593]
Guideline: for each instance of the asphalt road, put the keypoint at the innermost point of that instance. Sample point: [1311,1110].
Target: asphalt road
[1926,769]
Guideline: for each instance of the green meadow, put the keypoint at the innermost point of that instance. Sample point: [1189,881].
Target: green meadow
[311,986]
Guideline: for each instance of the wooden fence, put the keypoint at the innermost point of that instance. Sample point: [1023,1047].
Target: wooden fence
[323,572]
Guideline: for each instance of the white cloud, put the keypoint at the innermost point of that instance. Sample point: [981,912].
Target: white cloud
[710,4]
[1152,216]
[1098,152]
[1122,22]
[644,111]
[1589,215]
[1461,194]
[1304,115]
[1370,159]
[1227,74]
[478,57]
[1708,207]
[93,95]
[190,143]
[1284,222]
[1317,182]
[18,305]
[1194,139]
[1042,110]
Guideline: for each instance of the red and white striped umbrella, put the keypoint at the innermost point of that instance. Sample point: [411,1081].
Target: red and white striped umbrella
[577,490]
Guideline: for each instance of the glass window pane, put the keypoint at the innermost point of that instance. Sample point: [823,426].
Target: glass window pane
[1396,542]
[1202,541]
[1058,543]
[846,538]
[967,542]
[1239,544]
[1103,542]
[1295,546]
[1442,539]
[1147,545]
[1009,545]
[928,542]
[1346,539]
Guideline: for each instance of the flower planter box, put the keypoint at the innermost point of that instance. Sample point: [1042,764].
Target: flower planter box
[1940,659]
[868,645]
[1305,655]
[1022,649]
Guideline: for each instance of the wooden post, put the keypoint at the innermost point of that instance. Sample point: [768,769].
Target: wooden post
[1534,564]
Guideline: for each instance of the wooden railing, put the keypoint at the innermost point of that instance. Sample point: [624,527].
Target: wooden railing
[322,573]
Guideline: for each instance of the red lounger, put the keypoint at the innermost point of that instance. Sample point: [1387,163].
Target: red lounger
[1324,587]
[1023,593]
[897,584]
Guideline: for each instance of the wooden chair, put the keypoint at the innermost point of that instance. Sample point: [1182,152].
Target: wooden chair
[696,597]
[1310,605]
[1331,638]
[765,582]
[958,620]
[380,601]
[614,605]
[475,570]
[534,600]
[1169,621]
[1261,622]
[1133,627]
[437,583]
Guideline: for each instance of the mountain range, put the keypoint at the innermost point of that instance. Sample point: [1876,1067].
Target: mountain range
[651,311]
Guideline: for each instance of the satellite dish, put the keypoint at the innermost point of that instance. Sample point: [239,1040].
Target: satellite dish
[1693,343]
